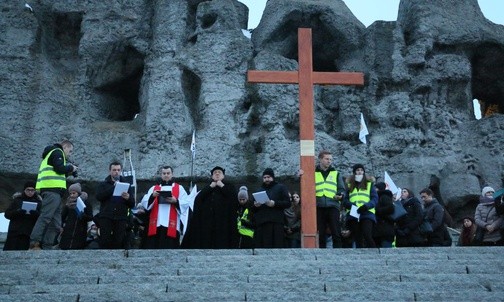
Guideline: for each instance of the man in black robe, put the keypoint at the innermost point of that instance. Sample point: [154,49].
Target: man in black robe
[213,223]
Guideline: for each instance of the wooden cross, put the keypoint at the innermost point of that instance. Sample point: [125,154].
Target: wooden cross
[306,77]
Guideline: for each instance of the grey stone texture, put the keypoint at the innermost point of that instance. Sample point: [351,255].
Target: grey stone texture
[142,75]
[402,274]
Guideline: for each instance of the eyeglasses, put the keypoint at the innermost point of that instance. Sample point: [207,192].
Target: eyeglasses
[30,190]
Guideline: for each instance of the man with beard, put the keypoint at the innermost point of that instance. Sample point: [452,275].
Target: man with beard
[269,216]
[213,224]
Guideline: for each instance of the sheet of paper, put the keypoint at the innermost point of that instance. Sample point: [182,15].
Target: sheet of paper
[261,197]
[353,212]
[121,187]
[28,206]
[80,205]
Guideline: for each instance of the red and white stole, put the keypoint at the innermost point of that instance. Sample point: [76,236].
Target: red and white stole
[172,219]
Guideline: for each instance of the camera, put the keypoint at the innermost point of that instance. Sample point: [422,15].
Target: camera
[74,173]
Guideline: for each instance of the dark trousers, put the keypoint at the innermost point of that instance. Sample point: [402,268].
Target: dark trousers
[329,218]
[269,235]
[362,232]
[20,242]
[112,233]
[161,240]
[245,242]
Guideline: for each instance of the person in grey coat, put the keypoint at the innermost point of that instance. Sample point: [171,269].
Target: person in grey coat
[434,213]
[487,219]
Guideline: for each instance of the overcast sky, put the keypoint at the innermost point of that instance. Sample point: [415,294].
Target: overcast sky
[367,11]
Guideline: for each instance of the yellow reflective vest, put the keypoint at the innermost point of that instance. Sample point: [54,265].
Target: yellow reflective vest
[361,197]
[47,177]
[243,230]
[326,187]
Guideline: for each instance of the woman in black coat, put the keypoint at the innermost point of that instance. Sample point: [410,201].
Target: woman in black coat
[74,235]
[22,221]
[407,227]
[383,232]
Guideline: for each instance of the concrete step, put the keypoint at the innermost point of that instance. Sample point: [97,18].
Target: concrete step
[423,274]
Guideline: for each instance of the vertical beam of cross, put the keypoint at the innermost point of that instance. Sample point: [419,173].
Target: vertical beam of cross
[306,77]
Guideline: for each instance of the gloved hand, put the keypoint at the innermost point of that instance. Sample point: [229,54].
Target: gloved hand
[34,212]
[362,209]
[21,212]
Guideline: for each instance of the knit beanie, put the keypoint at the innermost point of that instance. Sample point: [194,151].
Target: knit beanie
[381,186]
[29,184]
[357,166]
[269,171]
[76,187]
[243,193]
[486,190]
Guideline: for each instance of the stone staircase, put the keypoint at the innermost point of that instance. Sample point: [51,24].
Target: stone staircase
[403,274]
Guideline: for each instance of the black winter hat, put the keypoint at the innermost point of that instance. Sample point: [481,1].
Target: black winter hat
[357,166]
[218,168]
[269,171]
[29,184]
[380,186]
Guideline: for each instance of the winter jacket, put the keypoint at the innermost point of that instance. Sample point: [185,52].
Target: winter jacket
[434,213]
[114,207]
[75,225]
[278,193]
[384,228]
[21,223]
[486,214]
[407,233]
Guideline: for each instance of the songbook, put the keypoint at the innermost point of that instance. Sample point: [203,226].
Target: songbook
[29,206]
[165,194]
[80,205]
[121,187]
[261,197]
[353,212]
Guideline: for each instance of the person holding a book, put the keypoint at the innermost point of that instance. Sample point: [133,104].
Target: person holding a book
[162,206]
[75,216]
[116,198]
[269,212]
[22,213]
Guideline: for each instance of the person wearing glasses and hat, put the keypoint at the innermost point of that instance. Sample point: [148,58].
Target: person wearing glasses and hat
[22,218]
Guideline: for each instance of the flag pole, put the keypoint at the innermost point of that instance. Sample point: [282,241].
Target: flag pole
[193,154]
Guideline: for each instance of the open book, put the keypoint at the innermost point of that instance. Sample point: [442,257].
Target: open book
[261,197]
[29,206]
[121,187]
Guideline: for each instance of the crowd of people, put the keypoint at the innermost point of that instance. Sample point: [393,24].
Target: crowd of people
[351,212]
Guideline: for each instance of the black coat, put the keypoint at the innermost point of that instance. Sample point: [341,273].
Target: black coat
[75,227]
[213,223]
[114,207]
[21,223]
[407,232]
[435,215]
[384,228]
[280,195]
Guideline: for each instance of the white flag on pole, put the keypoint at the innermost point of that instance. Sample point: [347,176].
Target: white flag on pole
[185,206]
[363,129]
[193,144]
[390,184]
